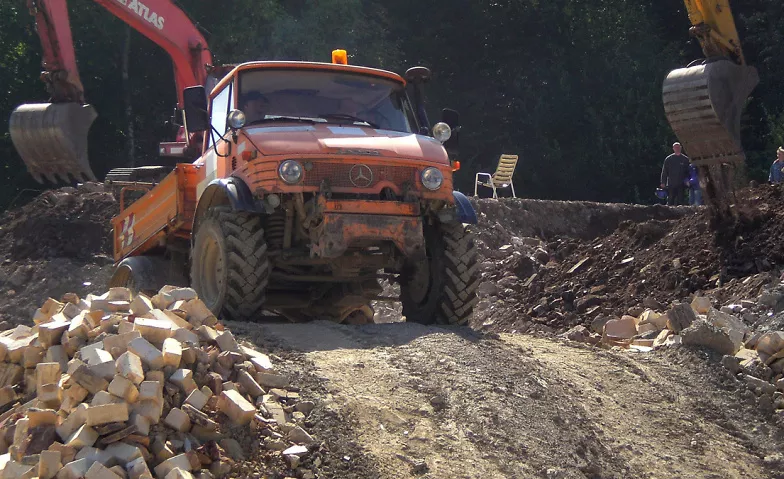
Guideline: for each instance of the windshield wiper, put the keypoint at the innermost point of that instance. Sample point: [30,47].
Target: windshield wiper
[281,119]
[346,116]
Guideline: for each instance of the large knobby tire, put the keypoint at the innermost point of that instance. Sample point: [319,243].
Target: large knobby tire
[229,264]
[442,289]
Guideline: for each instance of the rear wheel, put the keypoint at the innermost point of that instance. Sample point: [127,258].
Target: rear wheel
[147,274]
[442,289]
[229,264]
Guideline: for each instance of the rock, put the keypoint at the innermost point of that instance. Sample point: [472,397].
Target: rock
[523,267]
[731,364]
[701,304]
[702,333]
[21,276]
[769,298]
[597,325]
[680,317]
[540,310]
[770,343]
[759,386]
[635,311]
[542,256]
[488,288]
[651,303]
[577,333]
[586,302]
[624,328]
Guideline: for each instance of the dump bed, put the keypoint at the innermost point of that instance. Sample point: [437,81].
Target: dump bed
[164,211]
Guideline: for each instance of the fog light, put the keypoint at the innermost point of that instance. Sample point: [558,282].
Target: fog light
[273,200]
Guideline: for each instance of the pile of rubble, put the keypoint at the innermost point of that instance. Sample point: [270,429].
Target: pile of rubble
[122,386]
[553,283]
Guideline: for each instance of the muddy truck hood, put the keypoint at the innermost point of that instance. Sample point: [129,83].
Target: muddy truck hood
[336,139]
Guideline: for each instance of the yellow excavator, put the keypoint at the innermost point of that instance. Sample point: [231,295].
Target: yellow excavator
[703,101]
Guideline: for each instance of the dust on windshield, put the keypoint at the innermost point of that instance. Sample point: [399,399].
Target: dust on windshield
[323,96]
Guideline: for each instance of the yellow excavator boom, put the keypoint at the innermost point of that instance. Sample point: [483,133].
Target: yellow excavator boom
[703,102]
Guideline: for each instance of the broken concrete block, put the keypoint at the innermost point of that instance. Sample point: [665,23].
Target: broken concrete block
[152,410]
[83,437]
[99,471]
[51,394]
[47,373]
[250,384]
[702,333]
[207,334]
[18,470]
[173,318]
[137,469]
[149,354]
[123,453]
[226,342]
[178,420]
[701,304]
[172,352]
[624,328]
[49,334]
[57,354]
[770,343]
[49,463]
[76,393]
[116,344]
[262,363]
[178,473]
[142,423]
[72,422]
[197,399]
[74,469]
[272,380]
[79,326]
[97,415]
[89,380]
[7,395]
[119,471]
[680,317]
[129,366]
[38,417]
[239,410]
[141,305]
[124,388]
[180,461]
[152,391]
[184,379]
[153,330]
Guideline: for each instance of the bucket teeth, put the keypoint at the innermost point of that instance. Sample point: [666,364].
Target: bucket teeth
[51,138]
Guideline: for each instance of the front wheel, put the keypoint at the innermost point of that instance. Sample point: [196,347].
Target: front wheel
[442,289]
[229,264]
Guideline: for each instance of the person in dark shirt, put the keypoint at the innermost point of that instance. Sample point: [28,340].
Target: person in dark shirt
[777,168]
[674,175]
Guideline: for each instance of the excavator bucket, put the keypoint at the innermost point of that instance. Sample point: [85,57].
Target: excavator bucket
[703,104]
[51,138]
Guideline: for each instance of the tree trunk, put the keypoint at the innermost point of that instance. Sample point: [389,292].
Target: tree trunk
[130,135]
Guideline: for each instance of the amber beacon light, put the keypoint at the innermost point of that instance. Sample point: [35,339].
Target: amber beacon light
[340,57]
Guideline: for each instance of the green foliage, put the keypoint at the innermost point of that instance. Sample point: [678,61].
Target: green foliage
[573,88]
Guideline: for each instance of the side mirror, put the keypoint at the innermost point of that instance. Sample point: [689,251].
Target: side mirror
[195,102]
[451,118]
[418,76]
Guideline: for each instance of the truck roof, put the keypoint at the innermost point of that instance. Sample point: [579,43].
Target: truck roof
[309,66]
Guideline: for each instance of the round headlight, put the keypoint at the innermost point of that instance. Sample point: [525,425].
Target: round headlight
[432,179]
[290,171]
[236,119]
[441,131]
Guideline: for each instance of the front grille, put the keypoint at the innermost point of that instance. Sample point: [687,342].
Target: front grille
[338,175]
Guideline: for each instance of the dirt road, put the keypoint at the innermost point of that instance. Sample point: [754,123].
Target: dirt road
[431,402]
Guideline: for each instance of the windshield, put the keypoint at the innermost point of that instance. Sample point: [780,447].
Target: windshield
[324,96]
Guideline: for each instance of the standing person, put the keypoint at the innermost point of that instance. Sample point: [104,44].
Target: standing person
[776,169]
[693,183]
[674,174]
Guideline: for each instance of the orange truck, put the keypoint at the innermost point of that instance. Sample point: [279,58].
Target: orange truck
[310,182]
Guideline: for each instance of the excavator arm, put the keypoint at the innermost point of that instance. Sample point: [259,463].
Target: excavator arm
[703,102]
[51,137]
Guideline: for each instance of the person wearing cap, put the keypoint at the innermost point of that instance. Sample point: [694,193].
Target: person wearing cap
[254,105]
[674,175]
[777,168]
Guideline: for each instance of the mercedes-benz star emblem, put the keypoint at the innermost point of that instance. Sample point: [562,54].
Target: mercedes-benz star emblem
[361,176]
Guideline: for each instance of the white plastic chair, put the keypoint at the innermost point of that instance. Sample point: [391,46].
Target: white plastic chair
[502,178]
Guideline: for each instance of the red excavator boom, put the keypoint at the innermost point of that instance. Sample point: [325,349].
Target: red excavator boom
[51,137]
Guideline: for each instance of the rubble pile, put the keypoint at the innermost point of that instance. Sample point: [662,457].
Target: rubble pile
[122,386]
[564,281]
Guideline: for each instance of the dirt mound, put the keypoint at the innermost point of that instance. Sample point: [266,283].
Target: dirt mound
[59,242]
[570,280]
